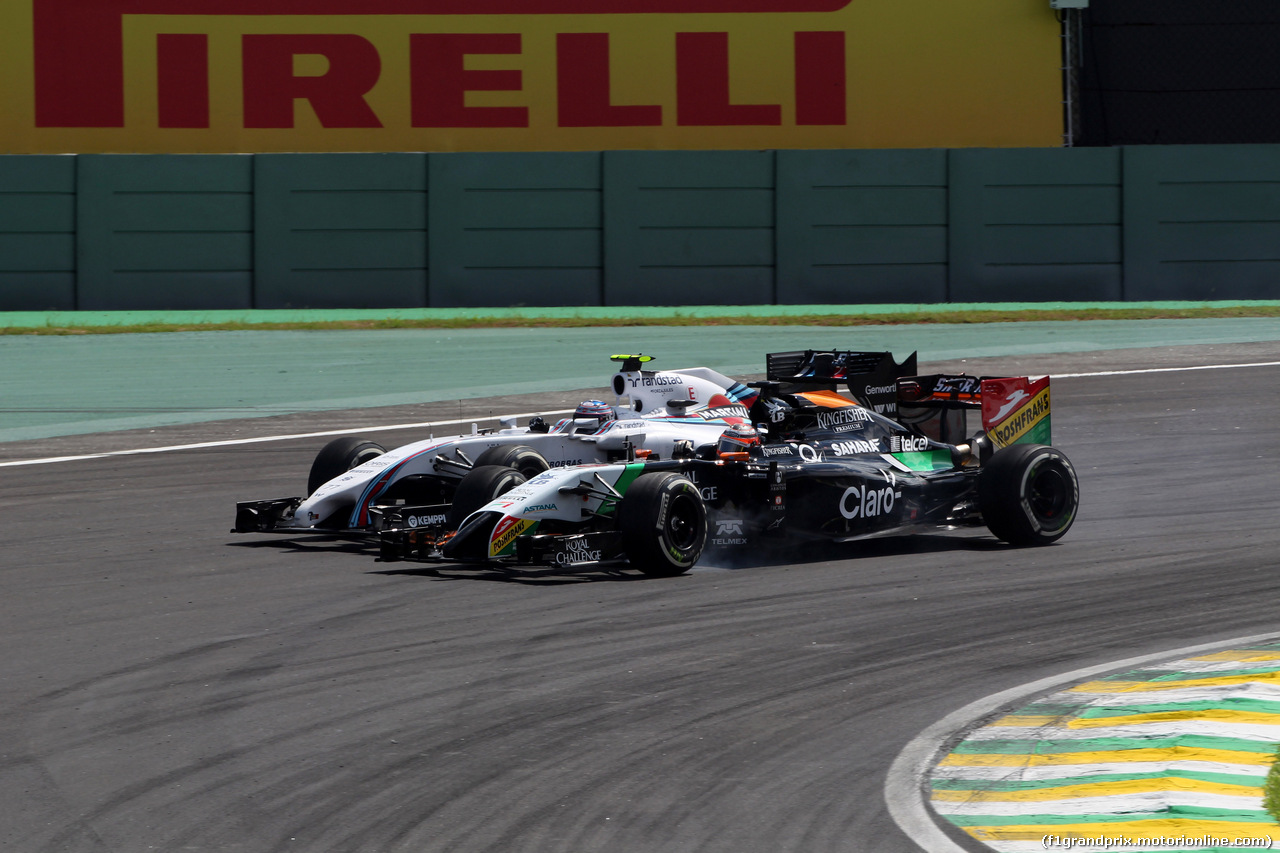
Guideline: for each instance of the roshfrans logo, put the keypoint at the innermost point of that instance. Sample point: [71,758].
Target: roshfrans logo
[505,533]
[1021,421]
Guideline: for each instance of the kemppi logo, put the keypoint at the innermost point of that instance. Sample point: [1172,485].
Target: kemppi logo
[80,68]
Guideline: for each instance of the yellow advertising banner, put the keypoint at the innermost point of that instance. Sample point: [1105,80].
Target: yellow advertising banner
[85,76]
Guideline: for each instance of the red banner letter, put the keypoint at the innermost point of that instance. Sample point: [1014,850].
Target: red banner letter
[820,78]
[337,96]
[439,81]
[182,73]
[702,85]
[582,86]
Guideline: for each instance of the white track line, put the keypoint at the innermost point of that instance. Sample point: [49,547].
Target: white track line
[1165,369]
[268,438]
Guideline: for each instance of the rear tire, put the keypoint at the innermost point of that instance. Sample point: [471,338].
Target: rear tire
[340,456]
[1028,494]
[663,523]
[524,459]
[481,485]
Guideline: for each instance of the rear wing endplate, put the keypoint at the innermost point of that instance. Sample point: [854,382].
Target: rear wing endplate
[1016,411]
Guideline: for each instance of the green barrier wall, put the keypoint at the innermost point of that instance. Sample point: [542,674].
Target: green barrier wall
[1202,219]
[340,230]
[168,230]
[107,232]
[862,226]
[513,229]
[1035,220]
[37,232]
[689,228]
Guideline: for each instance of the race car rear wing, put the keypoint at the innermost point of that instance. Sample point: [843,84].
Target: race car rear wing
[944,390]
[1014,409]
[870,377]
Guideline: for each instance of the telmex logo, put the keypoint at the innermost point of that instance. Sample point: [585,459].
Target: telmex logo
[79,61]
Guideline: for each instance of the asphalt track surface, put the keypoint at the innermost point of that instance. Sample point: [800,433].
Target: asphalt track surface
[170,686]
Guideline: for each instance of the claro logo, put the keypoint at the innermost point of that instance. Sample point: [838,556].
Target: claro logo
[80,78]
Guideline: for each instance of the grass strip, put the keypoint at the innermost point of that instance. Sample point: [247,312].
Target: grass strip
[678,319]
[1271,790]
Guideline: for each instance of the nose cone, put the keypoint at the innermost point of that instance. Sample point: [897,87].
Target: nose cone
[471,543]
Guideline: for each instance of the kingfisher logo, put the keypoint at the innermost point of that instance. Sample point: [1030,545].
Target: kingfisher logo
[80,69]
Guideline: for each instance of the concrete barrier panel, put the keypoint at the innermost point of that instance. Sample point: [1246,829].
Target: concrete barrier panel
[689,228]
[38,233]
[1202,222]
[340,230]
[862,226]
[164,231]
[1032,225]
[516,229]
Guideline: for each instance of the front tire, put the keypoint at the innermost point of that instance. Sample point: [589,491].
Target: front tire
[524,459]
[481,485]
[663,523]
[1028,494]
[340,456]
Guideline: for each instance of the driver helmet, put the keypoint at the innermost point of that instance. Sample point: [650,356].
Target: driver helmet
[739,439]
[595,410]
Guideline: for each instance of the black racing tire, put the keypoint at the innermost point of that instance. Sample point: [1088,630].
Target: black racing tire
[1028,494]
[340,456]
[663,522]
[524,459]
[482,484]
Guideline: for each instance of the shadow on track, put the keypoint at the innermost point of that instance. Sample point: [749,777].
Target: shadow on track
[529,575]
[796,554]
[312,544]
[789,554]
